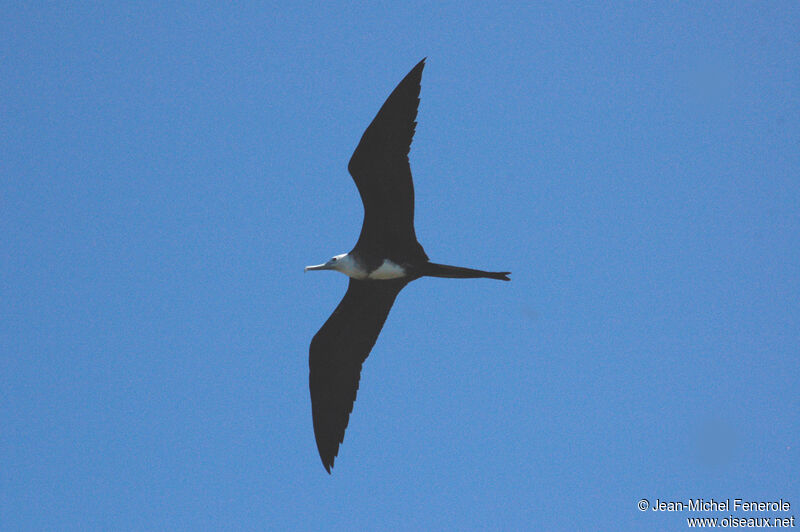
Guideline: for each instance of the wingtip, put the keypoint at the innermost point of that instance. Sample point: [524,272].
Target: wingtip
[327,457]
[327,465]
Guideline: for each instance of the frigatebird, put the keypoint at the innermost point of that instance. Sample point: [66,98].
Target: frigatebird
[385,259]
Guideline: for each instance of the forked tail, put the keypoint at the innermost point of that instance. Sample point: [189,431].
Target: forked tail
[432,269]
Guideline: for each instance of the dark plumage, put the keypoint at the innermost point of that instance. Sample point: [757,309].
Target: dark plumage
[336,356]
[385,259]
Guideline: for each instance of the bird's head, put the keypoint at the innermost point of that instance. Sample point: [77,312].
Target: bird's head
[338,263]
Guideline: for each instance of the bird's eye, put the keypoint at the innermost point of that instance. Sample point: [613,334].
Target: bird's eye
[334,259]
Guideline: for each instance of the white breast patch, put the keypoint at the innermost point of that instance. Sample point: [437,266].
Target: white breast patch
[388,270]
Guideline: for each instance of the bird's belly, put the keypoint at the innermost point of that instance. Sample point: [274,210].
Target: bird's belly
[387,270]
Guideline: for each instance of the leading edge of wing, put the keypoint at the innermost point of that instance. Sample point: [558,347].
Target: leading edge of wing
[336,355]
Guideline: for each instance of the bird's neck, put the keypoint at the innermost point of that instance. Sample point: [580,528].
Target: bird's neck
[352,267]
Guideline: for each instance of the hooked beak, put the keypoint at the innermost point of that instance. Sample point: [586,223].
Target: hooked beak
[326,266]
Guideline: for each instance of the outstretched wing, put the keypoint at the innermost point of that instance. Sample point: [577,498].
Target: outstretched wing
[380,168]
[337,352]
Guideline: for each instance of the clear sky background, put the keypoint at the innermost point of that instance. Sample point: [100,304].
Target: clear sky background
[166,171]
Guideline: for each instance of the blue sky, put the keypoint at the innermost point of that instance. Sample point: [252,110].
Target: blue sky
[168,169]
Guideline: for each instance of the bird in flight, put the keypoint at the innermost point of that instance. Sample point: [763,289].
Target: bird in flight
[385,259]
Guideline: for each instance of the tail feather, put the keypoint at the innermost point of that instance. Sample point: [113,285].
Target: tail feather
[432,269]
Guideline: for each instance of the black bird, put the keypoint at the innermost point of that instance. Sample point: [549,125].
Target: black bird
[385,259]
